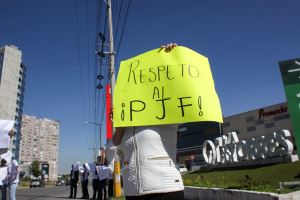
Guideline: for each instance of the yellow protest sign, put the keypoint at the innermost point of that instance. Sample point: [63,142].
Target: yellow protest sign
[160,87]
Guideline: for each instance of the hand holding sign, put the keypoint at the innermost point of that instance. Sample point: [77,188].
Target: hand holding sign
[160,87]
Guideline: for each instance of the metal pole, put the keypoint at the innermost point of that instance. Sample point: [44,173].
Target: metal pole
[94,149]
[117,175]
[111,57]
[100,138]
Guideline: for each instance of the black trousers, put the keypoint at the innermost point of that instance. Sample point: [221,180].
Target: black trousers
[85,189]
[110,187]
[102,186]
[95,188]
[73,186]
[159,196]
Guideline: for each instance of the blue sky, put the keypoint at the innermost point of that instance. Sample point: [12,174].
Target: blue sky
[243,40]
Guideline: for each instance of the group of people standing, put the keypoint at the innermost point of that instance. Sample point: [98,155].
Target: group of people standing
[100,174]
[9,176]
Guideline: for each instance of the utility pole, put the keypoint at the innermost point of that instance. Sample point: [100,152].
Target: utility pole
[94,149]
[111,57]
[117,174]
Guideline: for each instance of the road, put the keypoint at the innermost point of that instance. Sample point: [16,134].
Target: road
[48,193]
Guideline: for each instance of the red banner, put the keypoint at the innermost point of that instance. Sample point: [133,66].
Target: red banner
[108,107]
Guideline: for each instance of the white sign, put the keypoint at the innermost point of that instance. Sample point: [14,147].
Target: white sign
[118,178]
[92,167]
[230,149]
[5,127]
[4,141]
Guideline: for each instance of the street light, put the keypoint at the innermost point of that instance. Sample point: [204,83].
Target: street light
[100,131]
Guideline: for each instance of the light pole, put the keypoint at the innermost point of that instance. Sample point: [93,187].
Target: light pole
[94,149]
[100,132]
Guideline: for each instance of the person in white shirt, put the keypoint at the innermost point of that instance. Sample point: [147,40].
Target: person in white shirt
[150,156]
[3,178]
[103,173]
[81,171]
[85,181]
[13,177]
[110,184]
[95,184]
[74,179]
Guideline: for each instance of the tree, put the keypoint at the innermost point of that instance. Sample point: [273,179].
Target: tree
[34,169]
[27,178]
[21,175]
[65,177]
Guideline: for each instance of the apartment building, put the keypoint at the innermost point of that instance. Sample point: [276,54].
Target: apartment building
[12,90]
[40,141]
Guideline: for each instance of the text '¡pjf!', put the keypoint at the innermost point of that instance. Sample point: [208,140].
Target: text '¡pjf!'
[230,149]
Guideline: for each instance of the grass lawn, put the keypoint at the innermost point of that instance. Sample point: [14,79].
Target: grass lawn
[118,198]
[27,183]
[270,173]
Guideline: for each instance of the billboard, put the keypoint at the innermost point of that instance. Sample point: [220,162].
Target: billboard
[290,73]
[45,172]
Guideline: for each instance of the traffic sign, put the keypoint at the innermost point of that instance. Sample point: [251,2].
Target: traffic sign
[192,157]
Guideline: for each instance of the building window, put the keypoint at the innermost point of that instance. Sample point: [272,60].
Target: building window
[251,128]
[250,119]
[227,124]
[260,121]
[281,117]
[269,125]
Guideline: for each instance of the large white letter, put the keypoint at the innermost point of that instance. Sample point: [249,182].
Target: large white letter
[222,154]
[269,138]
[218,144]
[242,152]
[233,156]
[251,147]
[212,158]
[287,145]
[234,138]
[261,145]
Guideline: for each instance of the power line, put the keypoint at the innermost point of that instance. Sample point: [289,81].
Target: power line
[80,65]
[58,62]
[27,96]
[43,98]
[122,31]
[54,70]
[88,45]
[9,26]
[33,105]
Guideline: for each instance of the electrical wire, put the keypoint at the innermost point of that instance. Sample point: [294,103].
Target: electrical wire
[55,69]
[9,27]
[88,48]
[28,98]
[121,37]
[80,66]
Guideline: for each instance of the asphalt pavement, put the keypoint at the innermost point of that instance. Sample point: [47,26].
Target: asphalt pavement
[48,193]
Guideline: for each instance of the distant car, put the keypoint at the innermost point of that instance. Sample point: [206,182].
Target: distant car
[68,183]
[58,183]
[182,169]
[37,183]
